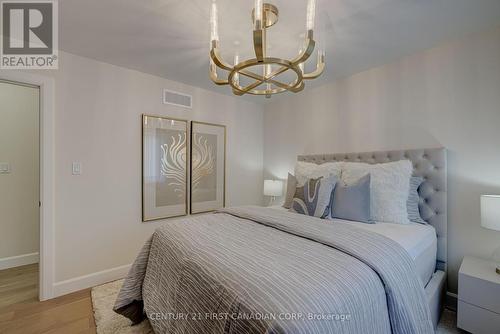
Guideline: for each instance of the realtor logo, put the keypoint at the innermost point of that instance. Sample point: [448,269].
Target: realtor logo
[29,35]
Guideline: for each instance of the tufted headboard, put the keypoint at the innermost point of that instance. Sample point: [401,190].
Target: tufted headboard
[427,163]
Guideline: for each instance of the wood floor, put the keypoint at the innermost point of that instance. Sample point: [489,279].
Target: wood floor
[70,314]
[19,285]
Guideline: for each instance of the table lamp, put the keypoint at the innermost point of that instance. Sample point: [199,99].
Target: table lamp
[273,188]
[490,219]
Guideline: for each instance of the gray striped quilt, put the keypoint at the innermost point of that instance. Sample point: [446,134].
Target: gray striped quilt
[261,270]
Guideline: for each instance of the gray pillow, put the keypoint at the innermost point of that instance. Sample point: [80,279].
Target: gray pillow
[313,199]
[291,186]
[413,200]
[353,202]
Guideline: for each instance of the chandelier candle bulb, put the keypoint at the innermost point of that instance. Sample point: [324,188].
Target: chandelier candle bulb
[311,13]
[214,29]
[258,14]
[236,61]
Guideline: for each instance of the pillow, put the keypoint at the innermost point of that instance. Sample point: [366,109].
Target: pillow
[352,202]
[389,188]
[313,199]
[306,170]
[291,186]
[413,200]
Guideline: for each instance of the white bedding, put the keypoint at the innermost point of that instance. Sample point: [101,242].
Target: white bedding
[418,240]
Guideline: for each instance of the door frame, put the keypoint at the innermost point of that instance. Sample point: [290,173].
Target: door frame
[47,173]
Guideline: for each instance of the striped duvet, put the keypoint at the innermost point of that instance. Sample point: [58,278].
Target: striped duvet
[261,270]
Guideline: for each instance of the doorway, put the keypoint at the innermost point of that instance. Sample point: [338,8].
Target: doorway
[19,192]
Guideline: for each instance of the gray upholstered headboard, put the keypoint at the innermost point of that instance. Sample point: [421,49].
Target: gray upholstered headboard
[427,163]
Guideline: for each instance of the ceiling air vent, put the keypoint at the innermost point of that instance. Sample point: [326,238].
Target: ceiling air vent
[177,99]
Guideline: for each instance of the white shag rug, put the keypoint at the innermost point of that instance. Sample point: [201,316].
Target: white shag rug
[109,322]
[106,320]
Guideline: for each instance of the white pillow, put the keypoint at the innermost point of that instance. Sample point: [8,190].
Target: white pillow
[390,186]
[306,170]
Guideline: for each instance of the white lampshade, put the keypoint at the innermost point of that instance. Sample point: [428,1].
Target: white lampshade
[273,188]
[490,212]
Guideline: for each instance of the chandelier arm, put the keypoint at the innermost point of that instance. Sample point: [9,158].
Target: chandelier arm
[217,81]
[259,44]
[282,85]
[298,88]
[252,75]
[238,92]
[307,51]
[217,59]
[259,77]
[316,73]
[295,87]
[320,67]
[274,82]
[277,72]
[252,86]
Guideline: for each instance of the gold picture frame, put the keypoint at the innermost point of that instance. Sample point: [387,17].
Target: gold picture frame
[164,174]
[207,171]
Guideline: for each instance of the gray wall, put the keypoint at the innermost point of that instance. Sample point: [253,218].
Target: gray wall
[447,96]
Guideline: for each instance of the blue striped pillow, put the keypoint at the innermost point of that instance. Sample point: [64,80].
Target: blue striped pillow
[413,201]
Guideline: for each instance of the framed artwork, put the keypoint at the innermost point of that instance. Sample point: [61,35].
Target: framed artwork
[164,167]
[208,167]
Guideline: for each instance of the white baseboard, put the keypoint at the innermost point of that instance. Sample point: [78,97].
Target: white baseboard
[90,280]
[19,260]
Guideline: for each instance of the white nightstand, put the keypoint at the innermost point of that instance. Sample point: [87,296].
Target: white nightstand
[478,297]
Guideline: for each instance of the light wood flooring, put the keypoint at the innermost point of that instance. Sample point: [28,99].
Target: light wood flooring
[22,313]
[19,285]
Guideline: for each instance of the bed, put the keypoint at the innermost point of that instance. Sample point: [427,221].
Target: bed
[262,270]
[420,241]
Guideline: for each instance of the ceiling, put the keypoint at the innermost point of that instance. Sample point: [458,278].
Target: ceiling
[170,38]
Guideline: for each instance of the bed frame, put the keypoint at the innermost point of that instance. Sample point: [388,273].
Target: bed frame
[430,164]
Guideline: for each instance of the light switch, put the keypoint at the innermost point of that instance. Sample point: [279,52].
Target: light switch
[77,168]
[4,168]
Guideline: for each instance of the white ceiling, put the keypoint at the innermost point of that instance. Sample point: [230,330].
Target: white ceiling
[170,38]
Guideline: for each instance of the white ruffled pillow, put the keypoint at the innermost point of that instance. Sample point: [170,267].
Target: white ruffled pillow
[306,170]
[390,186]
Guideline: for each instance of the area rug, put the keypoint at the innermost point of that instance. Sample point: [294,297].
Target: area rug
[108,322]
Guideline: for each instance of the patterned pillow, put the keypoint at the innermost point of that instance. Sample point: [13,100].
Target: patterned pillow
[313,199]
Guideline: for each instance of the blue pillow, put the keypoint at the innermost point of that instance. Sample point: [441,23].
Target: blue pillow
[353,202]
[413,200]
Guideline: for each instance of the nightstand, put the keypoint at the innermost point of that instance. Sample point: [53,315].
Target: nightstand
[478,297]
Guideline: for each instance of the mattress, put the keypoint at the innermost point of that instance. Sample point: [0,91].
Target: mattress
[418,240]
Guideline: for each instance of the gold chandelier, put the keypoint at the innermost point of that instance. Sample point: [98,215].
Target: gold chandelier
[265,81]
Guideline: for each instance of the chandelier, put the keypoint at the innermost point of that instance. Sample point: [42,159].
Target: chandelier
[263,71]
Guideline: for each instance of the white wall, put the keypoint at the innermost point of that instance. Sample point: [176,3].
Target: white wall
[98,123]
[19,190]
[447,96]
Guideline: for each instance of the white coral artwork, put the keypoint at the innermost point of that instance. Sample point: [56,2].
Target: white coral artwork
[173,163]
[203,159]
